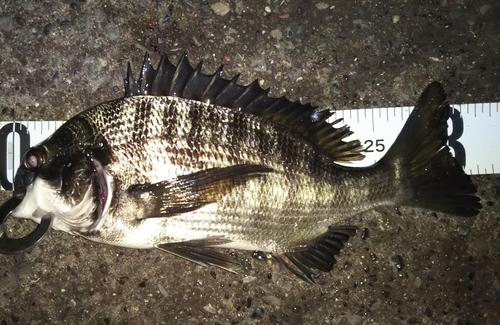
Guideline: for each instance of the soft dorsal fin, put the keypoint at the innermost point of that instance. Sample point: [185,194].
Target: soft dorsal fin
[190,83]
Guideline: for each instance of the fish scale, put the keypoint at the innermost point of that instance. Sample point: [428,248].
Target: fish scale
[294,192]
[188,162]
[304,196]
[179,112]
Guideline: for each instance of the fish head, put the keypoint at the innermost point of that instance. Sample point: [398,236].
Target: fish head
[67,183]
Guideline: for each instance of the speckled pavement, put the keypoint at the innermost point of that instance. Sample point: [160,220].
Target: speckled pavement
[410,267]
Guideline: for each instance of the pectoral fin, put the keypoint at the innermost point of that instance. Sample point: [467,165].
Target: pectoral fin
[199,252]
[190,192]
[318,254]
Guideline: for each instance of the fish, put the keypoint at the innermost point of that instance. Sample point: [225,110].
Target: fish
[188,163]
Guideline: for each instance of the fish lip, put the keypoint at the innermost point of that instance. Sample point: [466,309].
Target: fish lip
[104,182]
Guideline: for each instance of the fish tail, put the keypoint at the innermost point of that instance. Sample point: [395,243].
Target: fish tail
[432,177]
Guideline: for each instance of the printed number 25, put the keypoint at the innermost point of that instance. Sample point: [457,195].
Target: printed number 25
[372,146]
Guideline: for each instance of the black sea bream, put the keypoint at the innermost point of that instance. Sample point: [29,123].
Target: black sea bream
[188,162]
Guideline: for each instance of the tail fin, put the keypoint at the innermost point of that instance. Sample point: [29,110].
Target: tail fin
[420,154]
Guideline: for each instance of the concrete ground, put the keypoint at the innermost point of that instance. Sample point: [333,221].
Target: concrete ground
[60,57]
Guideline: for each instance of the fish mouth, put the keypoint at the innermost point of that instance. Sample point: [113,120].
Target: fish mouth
[104,195]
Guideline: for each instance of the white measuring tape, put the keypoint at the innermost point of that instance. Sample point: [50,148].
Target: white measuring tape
[474,133]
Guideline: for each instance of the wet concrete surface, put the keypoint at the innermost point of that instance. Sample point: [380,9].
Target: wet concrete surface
[410,267]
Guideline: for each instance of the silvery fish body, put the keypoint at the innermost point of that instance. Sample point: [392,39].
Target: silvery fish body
[186,162]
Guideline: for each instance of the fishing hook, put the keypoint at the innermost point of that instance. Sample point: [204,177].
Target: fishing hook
[10,246]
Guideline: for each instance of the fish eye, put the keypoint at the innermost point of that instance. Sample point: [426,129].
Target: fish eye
[34,158]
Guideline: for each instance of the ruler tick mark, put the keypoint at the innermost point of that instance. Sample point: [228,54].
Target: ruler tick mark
[479,137]
[373,122]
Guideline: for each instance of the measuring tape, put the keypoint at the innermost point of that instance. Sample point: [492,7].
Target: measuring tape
[474,133]
[15,139]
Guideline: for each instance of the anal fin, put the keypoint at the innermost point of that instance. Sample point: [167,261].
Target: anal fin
[318,254]
[200,252]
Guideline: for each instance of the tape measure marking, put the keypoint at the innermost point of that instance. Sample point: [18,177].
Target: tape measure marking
[474,133]
[15,139]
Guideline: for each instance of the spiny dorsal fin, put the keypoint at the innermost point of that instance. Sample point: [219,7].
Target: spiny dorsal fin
[190,83]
